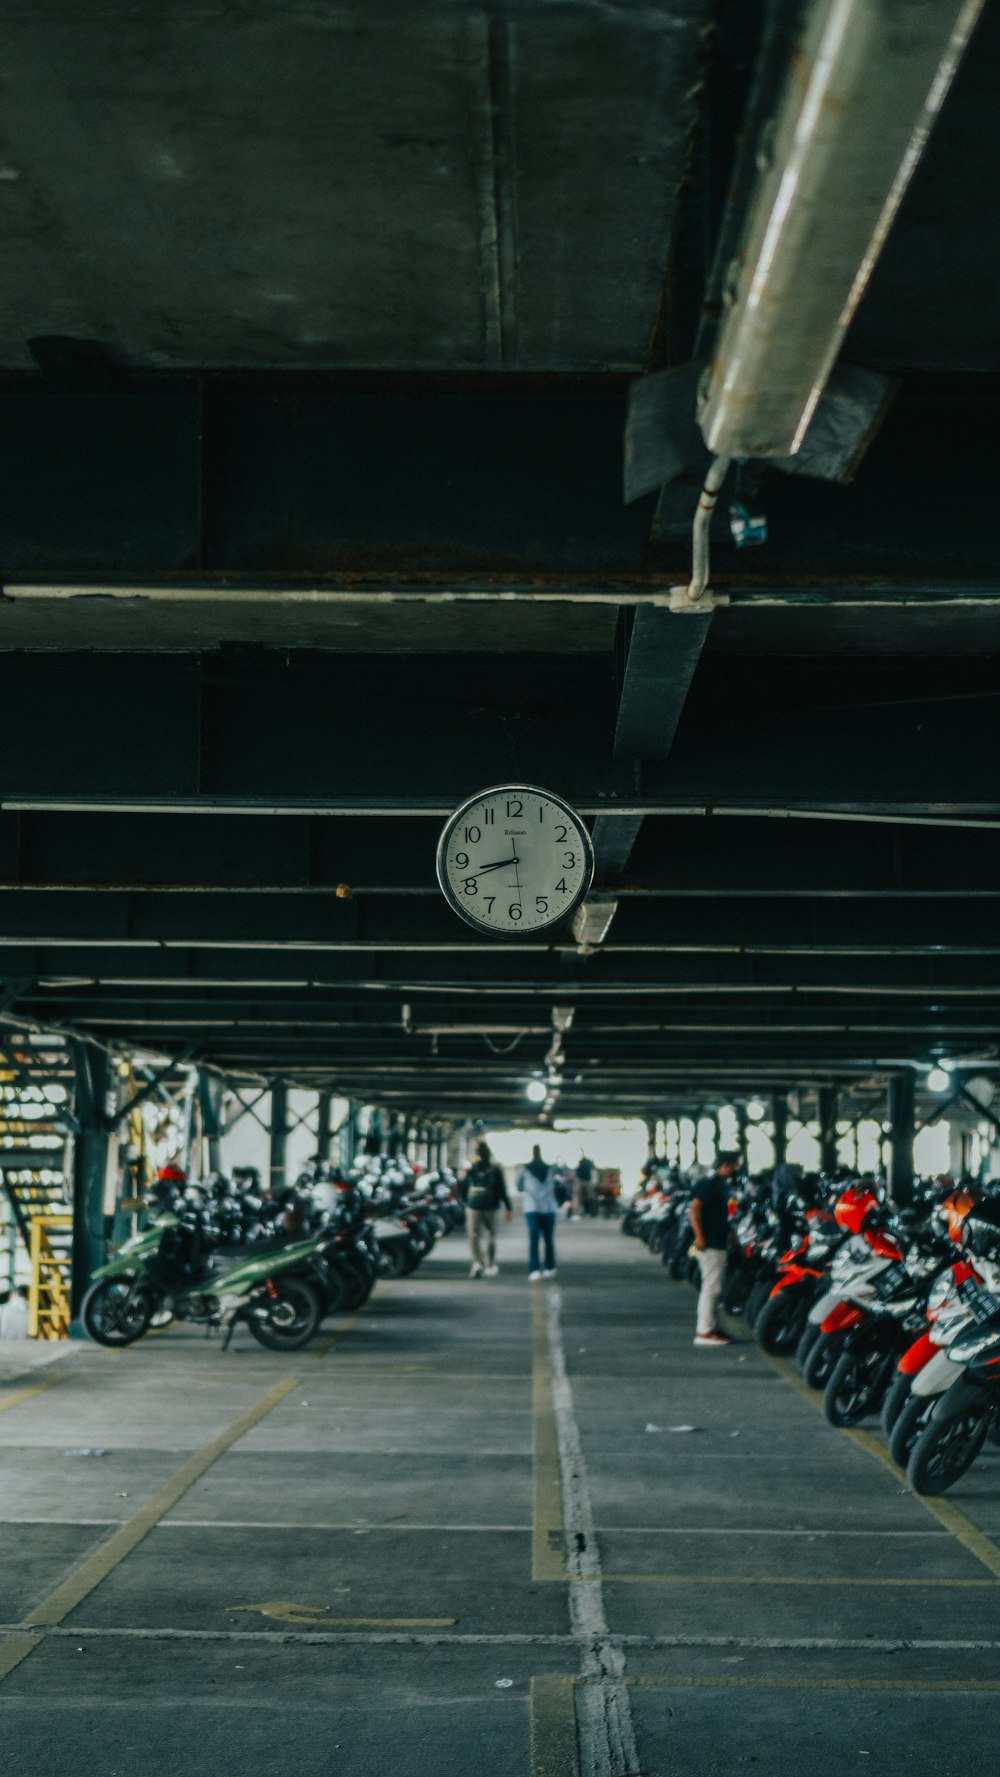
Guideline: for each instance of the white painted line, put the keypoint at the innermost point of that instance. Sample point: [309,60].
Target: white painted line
[607,1736]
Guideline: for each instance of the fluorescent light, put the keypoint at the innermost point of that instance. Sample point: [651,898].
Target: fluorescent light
[755,1110]
[938,1080]
[536,1091]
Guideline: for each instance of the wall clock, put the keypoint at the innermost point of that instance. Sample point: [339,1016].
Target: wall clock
[515,859]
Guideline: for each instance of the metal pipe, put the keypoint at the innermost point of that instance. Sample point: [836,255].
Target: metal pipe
[707,502]
[863,91]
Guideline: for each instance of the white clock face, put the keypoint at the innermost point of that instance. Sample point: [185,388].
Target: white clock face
[515,860]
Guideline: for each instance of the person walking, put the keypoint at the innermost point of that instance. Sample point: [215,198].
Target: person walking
[537,1182]
[708,1214]
[485,1193]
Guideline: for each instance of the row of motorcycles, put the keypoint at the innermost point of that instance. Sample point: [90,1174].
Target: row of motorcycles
[225,1252]
[889,1312]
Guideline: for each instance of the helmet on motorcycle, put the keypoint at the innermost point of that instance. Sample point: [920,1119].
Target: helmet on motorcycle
[173,1175]
[955,1209]
[853,1208]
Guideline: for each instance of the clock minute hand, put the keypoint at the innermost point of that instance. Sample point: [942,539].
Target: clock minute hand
[500,865]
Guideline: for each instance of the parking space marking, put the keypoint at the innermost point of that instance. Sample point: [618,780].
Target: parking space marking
[27,1394]
[57,1606]
[778,1579]
[712,1682]
[285,1610]
[548,1537]
[604,1717]
[953,1520]
[553,1728]
[520,1638]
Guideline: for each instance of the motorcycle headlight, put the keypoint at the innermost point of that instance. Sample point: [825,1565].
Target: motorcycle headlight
[940,1293]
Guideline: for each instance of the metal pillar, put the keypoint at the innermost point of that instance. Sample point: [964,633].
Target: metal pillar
[279,1134]
[901,1118]
[210,1090]
[779,1116]
[347,1137]
[828,1129]
[90,1165]
[373,1139]
[741,1132]
[323,1131]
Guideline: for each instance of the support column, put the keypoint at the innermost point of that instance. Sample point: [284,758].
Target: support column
[741,1132]
[210,1090]
[902,1092]
[349,1136]
[828,1129]
[779,1117]
[90,1164]
[323,1131]
[279,1134]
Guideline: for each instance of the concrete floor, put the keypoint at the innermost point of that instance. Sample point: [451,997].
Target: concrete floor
[383,1567]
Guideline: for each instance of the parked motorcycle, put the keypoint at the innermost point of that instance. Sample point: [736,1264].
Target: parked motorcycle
[281,1310]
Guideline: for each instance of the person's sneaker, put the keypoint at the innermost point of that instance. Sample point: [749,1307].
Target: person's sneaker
[492,1271]
[534,1277]
[476,1271]
[548,1273]
[711,1339]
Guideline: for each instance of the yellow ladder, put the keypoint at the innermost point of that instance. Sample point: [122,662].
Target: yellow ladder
[48,1298]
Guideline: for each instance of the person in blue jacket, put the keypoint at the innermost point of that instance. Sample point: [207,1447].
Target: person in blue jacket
[537,1182]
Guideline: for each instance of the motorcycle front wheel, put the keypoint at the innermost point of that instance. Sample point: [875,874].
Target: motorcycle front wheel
[286,1320]
[736,1289]
[946,1448]
[811,1333]
[778,1326]
[117,1311]
[854,1386]
[895,1400]
[909,1425]
[819,1365]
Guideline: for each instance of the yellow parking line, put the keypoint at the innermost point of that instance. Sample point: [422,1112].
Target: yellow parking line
[25,1394]
[553,1728]
[548,1561]
[57,1606]
[320,1348]
[949,1516]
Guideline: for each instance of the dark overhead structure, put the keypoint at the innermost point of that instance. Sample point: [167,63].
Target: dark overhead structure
[319,332]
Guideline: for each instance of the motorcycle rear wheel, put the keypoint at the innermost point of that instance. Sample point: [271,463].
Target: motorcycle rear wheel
[895,1401]
[778,1326]
[946,1448]
[909,1426]
[854,1387]
[116,1312]
[287,1320]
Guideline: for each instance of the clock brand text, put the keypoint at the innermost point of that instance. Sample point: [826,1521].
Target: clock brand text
[514,832]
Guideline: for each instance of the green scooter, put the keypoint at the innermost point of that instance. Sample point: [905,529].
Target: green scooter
[160,1271]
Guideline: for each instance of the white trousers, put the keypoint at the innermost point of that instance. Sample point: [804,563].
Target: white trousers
[713,1266]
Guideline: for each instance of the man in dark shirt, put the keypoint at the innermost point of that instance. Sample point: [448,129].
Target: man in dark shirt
[485,1192]
[709,1217]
